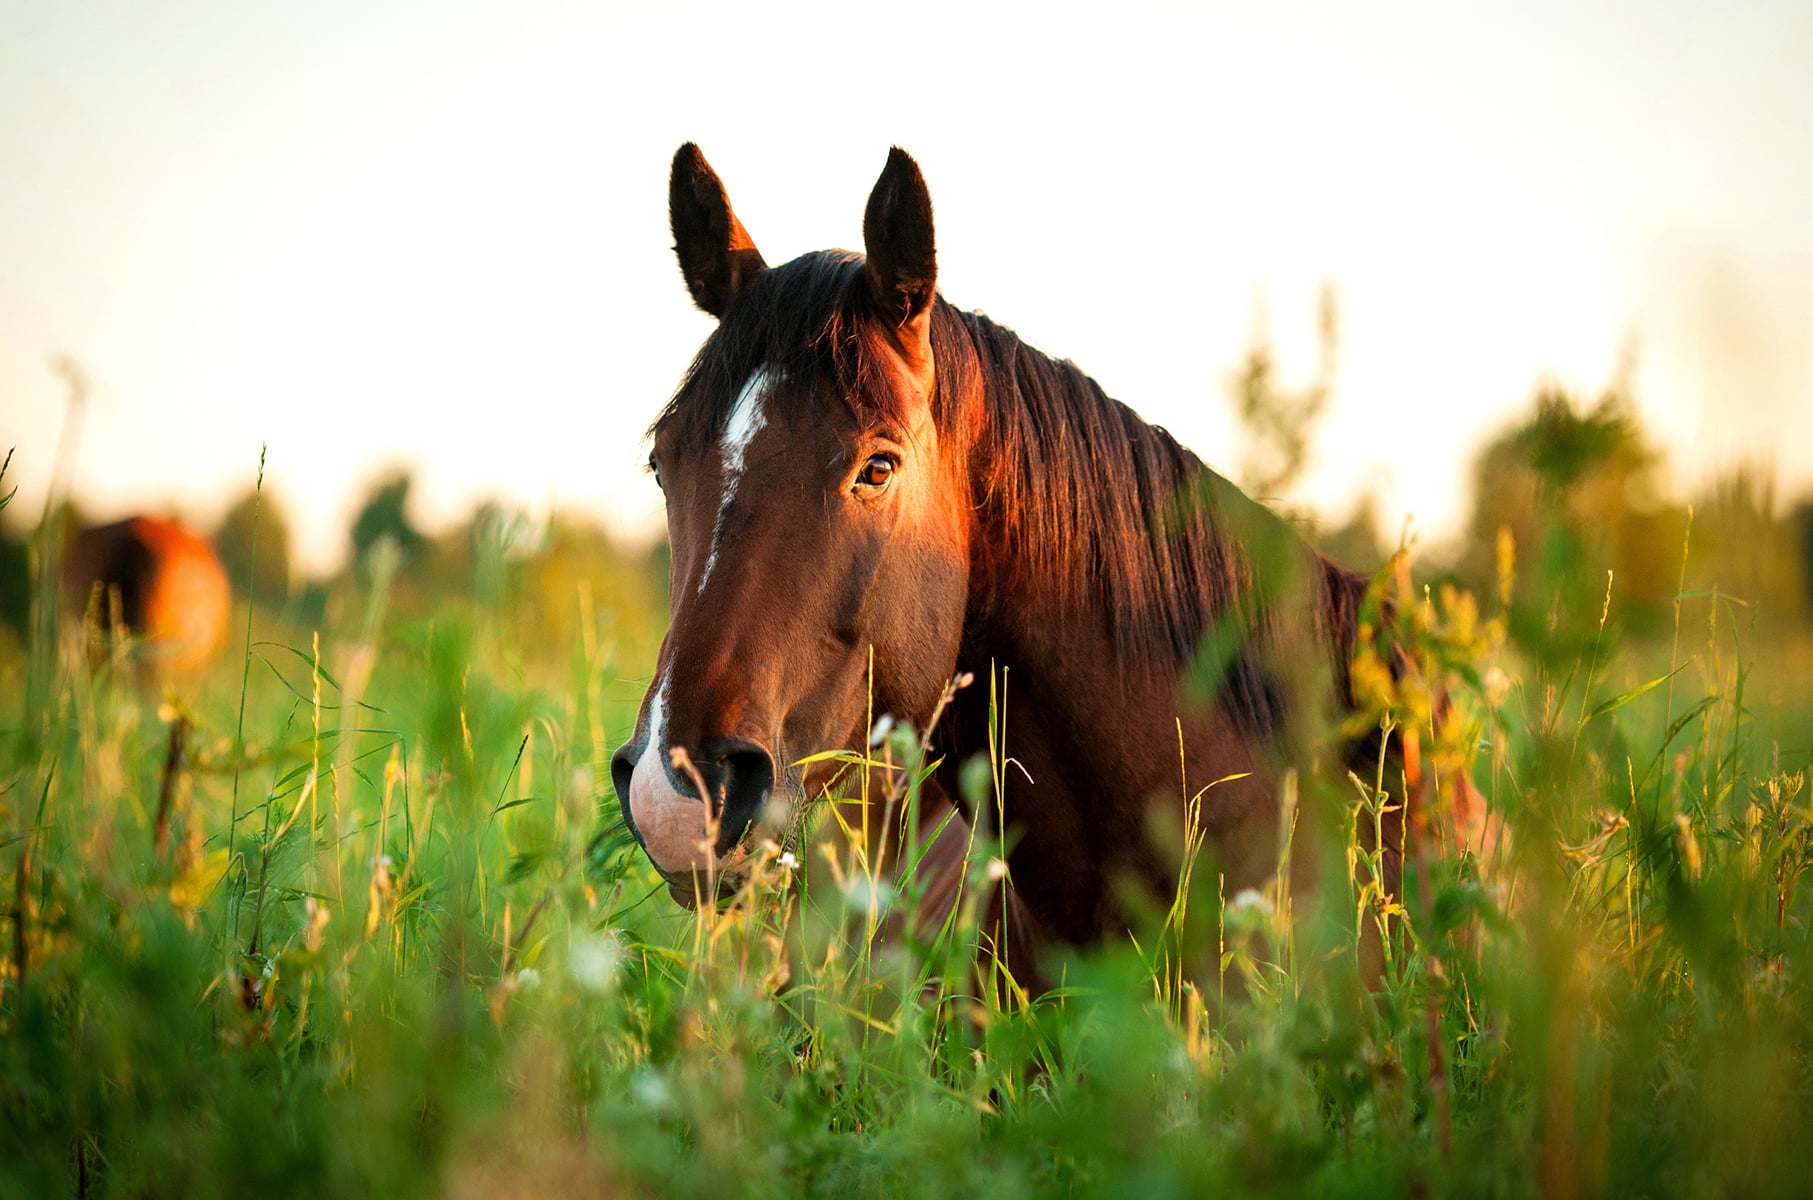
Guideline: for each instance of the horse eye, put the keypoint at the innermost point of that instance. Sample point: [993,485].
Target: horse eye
[654,468]
[876,472]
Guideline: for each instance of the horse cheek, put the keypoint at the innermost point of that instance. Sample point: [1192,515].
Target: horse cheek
[927,594]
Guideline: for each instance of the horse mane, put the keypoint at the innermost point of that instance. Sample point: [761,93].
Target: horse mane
[1089,497]
[1085,499]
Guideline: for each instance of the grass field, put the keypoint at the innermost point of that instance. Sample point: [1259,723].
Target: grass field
[353,915]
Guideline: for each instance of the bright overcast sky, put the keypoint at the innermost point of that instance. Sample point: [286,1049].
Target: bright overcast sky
[431,233]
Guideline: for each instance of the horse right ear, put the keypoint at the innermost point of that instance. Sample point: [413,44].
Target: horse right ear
[717,255]
[902,258]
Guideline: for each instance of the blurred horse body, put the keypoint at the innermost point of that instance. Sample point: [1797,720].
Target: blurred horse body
[161,581]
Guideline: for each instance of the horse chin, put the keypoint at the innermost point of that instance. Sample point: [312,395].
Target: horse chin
[689,889]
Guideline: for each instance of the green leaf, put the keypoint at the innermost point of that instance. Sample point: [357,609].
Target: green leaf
[315,666]
[1619,701]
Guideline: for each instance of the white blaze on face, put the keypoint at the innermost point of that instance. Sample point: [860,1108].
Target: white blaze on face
[674,827]
[657,729]
[747,418]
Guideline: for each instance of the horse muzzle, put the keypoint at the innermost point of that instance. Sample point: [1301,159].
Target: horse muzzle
[693,815]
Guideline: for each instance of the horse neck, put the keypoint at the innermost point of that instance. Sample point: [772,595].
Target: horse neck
[1044,519]
[1102,552]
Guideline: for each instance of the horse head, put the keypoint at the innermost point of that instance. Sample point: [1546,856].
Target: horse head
[818,518]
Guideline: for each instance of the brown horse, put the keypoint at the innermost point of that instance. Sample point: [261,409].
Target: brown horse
[869,491]
[160,580]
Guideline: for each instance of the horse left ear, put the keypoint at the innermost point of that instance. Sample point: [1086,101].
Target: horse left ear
[903,264]
[717,255]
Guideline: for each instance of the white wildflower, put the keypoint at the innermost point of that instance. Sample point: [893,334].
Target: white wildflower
[865,894]
[652,1091]
[595,962]
[1498,686]
[1249,899]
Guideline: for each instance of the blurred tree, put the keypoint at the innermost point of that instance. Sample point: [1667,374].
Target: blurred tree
[1280,424]
[1579,490]
[264,566]
[627,587]
[386,513]
[15,581]
[15,563]
[1356,543]
[1800,521]
[1741,548]
[496,538]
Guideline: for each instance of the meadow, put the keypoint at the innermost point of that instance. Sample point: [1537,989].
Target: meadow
[354,914]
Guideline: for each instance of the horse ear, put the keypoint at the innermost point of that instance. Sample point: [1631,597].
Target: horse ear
[717,255]
[903,264]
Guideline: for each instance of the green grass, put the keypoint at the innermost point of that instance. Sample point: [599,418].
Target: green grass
[397,945]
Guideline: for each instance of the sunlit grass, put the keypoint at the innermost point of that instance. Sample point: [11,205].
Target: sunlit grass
[384,933]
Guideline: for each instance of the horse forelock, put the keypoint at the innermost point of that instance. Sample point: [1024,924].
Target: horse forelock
[805,322]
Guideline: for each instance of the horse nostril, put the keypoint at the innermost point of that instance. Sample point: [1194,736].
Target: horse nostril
[748,778]
[623,768]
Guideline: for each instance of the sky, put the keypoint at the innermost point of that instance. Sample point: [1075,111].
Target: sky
[435,234]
